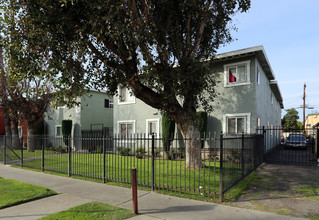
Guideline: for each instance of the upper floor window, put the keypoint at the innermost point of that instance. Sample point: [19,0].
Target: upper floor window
[125,96]
[108,103]
[237,74]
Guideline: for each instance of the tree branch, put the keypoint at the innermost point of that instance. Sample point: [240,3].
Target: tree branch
[144,48]
[201,30]
[100,56]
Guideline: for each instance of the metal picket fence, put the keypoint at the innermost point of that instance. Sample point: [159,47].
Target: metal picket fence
[225,160]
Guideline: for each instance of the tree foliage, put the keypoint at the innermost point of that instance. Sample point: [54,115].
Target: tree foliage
[290,120]
[25,80]
[155,48]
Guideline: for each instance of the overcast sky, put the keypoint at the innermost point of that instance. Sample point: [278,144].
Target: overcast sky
[289,32]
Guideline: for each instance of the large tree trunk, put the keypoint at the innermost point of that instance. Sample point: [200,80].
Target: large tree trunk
[7,122]
[15,135]
[190,132]
[30,140]
[193,147]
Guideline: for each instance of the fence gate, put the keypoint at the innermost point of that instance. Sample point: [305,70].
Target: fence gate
[9,154]
[291,147]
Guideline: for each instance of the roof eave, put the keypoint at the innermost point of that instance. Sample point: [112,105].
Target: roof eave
[258,51]
[275,89]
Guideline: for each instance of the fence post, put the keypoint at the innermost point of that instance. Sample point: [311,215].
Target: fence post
[134,191]
[221,170]
[5,150]
[69,161]
[103,143]
[265,144]
[42,166]
[242,155]
[153,158]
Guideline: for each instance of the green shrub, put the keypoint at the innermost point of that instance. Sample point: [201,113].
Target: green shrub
[95,149]
[124,151]
[168,129]
[41,127]
[173,155]
[140,152]
[66,130]
[59,149]
[156,152]
[234,156]
[202,124]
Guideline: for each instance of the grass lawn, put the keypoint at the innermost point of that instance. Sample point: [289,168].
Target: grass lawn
[13,192]
[16,154]
[169,174]
[94,210]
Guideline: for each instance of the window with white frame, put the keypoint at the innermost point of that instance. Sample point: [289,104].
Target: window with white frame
[152,126]
[125,96]
[237,73]
[237,123]
[58,130]
[126,129]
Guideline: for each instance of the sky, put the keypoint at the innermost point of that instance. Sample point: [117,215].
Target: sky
[289,32]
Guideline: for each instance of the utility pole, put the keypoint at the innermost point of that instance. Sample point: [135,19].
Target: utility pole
[304,107]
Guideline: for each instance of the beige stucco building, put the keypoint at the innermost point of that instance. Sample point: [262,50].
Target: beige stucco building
[311,120]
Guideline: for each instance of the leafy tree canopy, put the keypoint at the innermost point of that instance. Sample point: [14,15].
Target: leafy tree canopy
[137,44]
[290,120]
[155,48]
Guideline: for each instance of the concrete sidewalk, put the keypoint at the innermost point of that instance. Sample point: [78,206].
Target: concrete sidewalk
[151,205]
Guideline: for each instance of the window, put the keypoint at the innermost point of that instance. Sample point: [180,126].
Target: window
[237,74]
[152,126]
[126,129]
[108,103]
[237,123]
[125,97]
[58,131]
[122,94]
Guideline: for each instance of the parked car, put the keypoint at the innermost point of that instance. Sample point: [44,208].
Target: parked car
[296,140]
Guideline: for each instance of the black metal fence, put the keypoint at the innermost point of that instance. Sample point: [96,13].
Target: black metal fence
[240,155]
[225,161]
[291,146]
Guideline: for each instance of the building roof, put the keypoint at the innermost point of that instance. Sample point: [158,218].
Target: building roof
[260,53]
[312,114]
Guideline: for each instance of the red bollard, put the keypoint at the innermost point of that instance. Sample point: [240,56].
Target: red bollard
[134,191]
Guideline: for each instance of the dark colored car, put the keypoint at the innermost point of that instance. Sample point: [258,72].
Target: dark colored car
[296,140]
